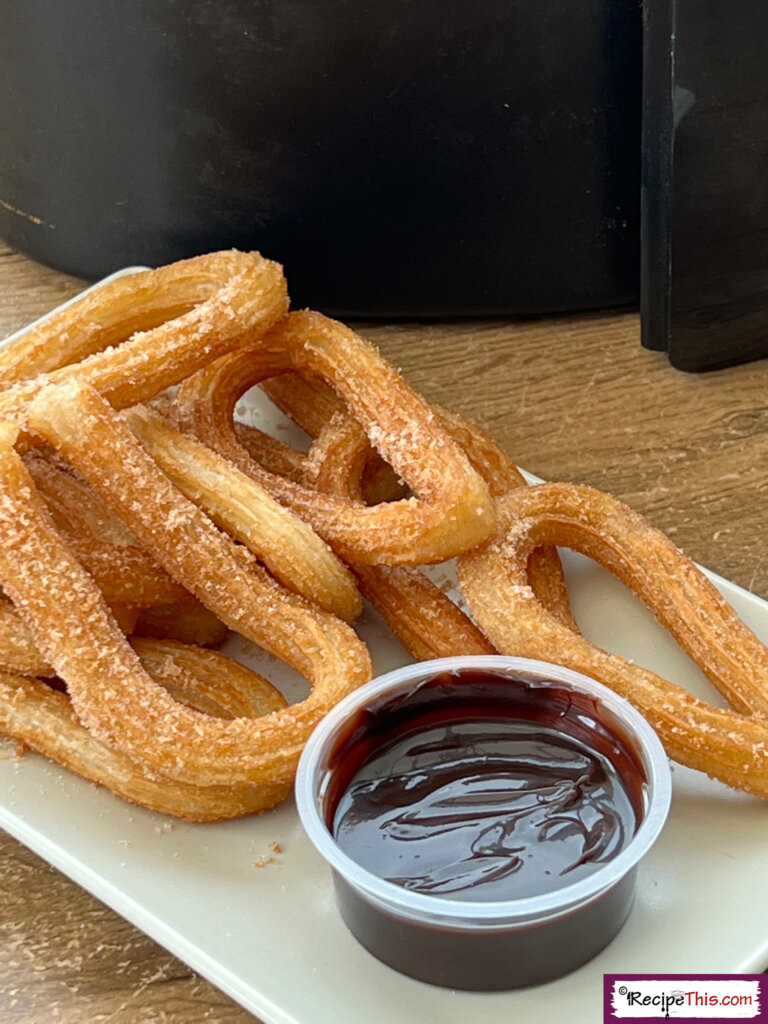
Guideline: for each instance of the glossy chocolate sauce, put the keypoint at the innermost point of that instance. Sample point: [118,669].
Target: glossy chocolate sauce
[480,787]
[478,799]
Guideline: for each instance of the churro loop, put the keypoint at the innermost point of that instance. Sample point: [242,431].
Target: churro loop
[312,404]
[43,719]
[288,546]
[202,679]
[341,453]
[452,509]
[106,547]
[111,693]
[207,680]
[342,462]
[727,745]
[18,652]
[135,336]
[422,617]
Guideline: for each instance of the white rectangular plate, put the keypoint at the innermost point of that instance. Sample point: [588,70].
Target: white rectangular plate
[270,936]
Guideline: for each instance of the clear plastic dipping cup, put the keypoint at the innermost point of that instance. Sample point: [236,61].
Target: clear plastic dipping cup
[503,943]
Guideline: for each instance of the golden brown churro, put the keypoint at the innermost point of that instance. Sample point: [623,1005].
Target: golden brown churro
[289,548]
[109,691]
[451,508]
[134,337]
[130,538]
[727,745]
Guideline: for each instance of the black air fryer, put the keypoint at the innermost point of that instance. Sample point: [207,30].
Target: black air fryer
[400,157]
[705,182]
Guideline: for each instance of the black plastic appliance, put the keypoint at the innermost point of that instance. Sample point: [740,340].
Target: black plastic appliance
[400,157]
[705,182]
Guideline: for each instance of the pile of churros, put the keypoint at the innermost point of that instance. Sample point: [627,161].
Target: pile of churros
[140,522]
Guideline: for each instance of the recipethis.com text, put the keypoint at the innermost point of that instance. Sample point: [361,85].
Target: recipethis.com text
[663,997]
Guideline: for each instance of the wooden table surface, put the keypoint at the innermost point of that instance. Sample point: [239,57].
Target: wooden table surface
[572,398]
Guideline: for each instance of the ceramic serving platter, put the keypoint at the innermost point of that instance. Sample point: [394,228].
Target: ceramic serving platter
[263,925]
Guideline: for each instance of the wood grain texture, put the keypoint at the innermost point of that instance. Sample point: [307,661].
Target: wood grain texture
[572,398]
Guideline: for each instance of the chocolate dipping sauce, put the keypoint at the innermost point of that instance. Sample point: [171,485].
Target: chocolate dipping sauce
[478,802]
[486,788]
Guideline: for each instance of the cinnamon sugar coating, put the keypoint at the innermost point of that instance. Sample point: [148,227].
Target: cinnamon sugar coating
[162,521]
[451,508]
[134,337]
[729,745]
[289,547]
[110,692]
